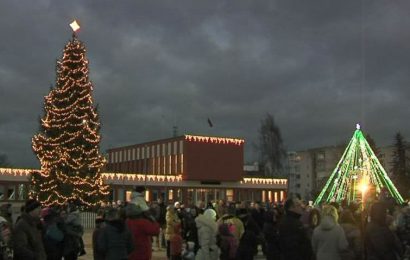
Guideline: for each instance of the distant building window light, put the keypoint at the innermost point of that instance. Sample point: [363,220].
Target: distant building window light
[182,163]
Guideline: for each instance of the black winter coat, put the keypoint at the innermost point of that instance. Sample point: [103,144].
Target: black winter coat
[27,239]
[115,241]
[381,243]
[293,239]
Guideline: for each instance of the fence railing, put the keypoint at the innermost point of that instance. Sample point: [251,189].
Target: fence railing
[88,219]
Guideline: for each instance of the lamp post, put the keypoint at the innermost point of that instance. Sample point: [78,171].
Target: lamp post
[363,188]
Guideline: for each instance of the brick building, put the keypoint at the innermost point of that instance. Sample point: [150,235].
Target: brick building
[190,168]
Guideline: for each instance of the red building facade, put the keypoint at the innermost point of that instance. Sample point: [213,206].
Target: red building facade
[189,168]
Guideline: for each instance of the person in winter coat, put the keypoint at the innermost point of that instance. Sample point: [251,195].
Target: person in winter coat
[53,236]
[353,234]
[271,234]
[172,219]
[176,243]
[294,241]
[142,226]
[248,244]
[207,231]
[227,242]
[99,224]
[329,240]
[27,239]
[381,243]
[73,241]
[231,219]
[6,249]
[313,221]
[115,241]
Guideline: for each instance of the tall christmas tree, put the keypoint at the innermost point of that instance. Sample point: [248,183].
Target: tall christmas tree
[357,172]
[68,143]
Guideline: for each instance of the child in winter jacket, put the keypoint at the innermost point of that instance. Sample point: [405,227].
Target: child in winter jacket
[176,243]
[227,243]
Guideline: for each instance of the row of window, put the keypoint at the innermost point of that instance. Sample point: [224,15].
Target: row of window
[172,164]
[145,152]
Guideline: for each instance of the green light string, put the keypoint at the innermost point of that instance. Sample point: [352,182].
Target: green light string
[358,161]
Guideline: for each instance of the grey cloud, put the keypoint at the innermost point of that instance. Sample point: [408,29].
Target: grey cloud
[155,64]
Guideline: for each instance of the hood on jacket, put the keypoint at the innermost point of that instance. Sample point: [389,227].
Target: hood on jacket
[203,221]
[117,224]
[327,223]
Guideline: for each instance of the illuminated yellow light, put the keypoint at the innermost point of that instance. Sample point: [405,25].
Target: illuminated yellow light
[216,140]
[75,26]
[363,187]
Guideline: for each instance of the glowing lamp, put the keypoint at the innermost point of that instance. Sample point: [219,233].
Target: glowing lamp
[75,26]
[363,187]
[358,126]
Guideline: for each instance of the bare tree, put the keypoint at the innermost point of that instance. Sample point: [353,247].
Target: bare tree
[272,153]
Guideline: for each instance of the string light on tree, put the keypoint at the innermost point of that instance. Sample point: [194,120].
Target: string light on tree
[356,173]
[68,143]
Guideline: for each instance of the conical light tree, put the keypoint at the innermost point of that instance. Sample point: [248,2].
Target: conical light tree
[68,143]
[357,170]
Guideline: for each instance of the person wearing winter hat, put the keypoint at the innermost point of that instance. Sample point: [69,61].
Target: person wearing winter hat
[207,231]
[137,198]
[142,226]
[28,242]
[6,250]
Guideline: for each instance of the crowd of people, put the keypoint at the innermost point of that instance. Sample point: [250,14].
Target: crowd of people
[290,230]
[219,230]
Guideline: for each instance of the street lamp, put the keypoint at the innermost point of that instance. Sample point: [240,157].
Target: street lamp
[363,187]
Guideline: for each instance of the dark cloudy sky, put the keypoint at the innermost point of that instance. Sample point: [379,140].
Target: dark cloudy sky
[317,66]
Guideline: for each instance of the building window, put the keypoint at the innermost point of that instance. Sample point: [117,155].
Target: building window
[163,164]
[176,164]
[22,192]
[138,153]
[120,159]
[169,165]
[320,155]
[175,147]
[170,195]
[182,163]
[229,195]
[133,154]
[159,165]
[181,147]
[163,150]
[169,149]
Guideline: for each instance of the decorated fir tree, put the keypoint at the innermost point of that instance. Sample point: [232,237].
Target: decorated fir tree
[68,143]
[357,173]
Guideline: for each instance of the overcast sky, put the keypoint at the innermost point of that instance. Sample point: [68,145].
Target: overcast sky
[317,66]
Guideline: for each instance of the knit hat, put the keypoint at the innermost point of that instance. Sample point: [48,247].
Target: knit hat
[31,205]
[139,189]
[210,213]
[132,210]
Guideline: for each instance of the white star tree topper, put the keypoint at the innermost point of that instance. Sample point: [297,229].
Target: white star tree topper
[75,26]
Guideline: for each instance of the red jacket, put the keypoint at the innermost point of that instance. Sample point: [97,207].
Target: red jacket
[142,230]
